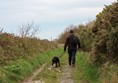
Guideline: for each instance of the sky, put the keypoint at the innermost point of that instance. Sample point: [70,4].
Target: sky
[52,16]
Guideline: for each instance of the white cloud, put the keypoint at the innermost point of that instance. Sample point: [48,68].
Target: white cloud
[44,12]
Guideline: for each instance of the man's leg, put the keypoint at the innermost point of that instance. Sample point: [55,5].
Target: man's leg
[73,57]
[70,57]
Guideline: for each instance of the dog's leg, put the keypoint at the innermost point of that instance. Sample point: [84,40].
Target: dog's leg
[52,63]
[59,63]
[56,64]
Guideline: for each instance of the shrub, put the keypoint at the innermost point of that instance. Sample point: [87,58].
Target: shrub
[106,26]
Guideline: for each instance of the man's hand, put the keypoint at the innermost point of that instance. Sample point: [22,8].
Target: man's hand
[64,50]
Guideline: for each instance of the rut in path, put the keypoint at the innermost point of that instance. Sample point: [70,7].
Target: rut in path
[30,79]
[66,74]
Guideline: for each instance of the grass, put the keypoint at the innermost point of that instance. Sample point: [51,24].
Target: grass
[109,73]
[48,76]
[21,68]
[51,74]
[84,71]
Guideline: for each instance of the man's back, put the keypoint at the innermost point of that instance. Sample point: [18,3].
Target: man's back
[72,41]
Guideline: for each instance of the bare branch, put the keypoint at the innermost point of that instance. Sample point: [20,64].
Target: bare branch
[1,30]
[29,30]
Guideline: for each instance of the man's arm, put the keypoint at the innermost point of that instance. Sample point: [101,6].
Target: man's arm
[78,43]
[65,46]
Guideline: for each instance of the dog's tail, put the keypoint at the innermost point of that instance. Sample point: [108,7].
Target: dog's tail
[61,55]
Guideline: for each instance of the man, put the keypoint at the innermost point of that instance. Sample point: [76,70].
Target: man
[73,43]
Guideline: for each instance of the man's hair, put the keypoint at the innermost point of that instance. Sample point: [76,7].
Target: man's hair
[71,31]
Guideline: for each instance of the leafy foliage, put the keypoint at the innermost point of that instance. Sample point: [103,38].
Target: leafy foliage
[106,40]
[13,47]
[100,36]
[84,33]
[20,69]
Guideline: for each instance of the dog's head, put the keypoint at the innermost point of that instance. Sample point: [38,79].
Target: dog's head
[54,59]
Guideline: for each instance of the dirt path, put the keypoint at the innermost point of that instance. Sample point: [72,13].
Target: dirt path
[49,74]
[30,79]
[66,74]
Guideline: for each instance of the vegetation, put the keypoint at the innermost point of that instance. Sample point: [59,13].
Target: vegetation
[100,39]
[51,74]
[100,36]
[84,32]
[106,26]
[19,69]
[20,55]
[28,30]
[84,70]
[14,47]
[98,63]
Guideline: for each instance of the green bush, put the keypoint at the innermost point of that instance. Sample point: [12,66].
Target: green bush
[13,47]
[19,69]
[84,33]
[106,39]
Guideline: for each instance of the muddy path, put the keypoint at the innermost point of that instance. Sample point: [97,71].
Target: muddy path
[66,73]
[49,74]
[35,73]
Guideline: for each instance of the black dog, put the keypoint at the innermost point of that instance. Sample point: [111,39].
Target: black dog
[56,61]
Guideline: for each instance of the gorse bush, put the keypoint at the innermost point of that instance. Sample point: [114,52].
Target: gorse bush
[84,32]
[86,36]
[100,36]
[108,73]
[21,55]
[13,47]
[106,39]
[20,69]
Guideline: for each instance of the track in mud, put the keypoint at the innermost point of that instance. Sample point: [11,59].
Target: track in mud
[49,74]
[66,75]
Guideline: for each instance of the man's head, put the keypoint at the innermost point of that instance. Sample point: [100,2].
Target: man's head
[71,31]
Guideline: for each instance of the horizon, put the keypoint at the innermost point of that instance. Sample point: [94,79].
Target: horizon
[52,16]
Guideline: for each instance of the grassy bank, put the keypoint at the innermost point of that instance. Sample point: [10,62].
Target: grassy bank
[21,68]
[84,71]
[108,73]
[51,74]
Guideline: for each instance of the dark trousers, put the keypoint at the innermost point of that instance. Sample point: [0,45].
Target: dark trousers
[71,57]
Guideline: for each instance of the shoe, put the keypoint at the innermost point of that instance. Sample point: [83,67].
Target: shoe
[73,65]
[70,64]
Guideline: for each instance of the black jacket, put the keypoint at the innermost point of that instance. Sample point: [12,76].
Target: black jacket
[72,42]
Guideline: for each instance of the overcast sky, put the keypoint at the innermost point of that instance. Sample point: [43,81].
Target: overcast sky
[53,16]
